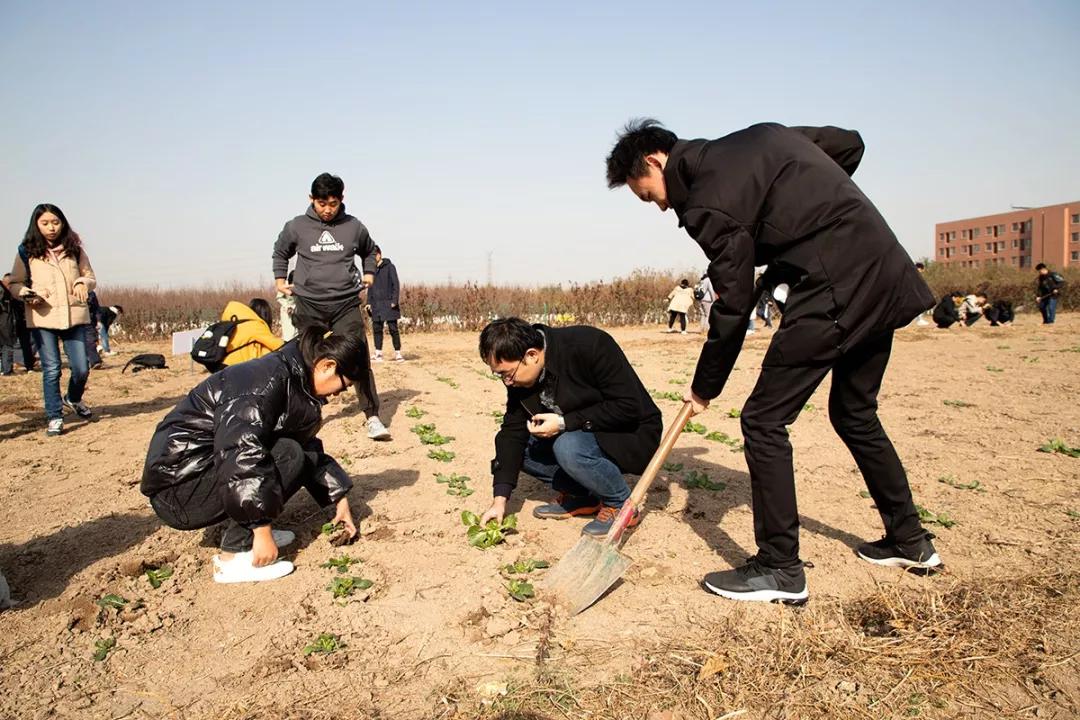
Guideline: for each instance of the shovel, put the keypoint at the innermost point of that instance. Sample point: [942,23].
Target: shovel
[593,565]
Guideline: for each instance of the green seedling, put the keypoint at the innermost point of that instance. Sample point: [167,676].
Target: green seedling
[1057,445]
[700,479]
[448,381]
[455,484]
[114,602]
[865,494]
[332,528]
[1002,347]
[958,403]
[1072,349]
[734,413]
[1073,514]
[694,427]
[991,368]
[345,460]
[441,455]
[158,575]
[344,587]
[325,644]
[485,536]
[672,467]
[809,407]
[498,416]
[415,413]
[954,483]
[666,395]
[524,567]
[676,381]
[103,647]
[721,437]
[931,518]
[428,435]
[520,590]
[340,563]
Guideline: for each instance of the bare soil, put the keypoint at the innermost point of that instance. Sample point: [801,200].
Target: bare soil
[437,634]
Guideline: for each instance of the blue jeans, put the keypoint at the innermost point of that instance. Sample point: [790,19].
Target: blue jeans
[92,357]
[7,357]
[1049,309]
[574,463]
[48,344]
[103,333]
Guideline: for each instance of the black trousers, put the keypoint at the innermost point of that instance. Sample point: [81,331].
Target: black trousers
[377,332]
[198,503]
[347,318]
[777,399]
[672,314]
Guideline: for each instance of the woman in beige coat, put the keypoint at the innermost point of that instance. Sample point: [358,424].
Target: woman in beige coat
[680,301]
[53,277]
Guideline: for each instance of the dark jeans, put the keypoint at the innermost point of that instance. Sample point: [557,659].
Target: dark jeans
[377,331]
[346,318]
[7,358]
[198,503]
[26,344]
[92,357]
[575,464]
[48,345]
[1048,308]
[972,319]
[780,393]
[671,319]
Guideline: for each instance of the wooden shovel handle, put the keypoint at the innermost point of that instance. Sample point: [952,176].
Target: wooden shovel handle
[647,477]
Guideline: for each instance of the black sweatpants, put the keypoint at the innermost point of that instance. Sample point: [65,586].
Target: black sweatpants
[377,333]
[347,318]
[777,399]
[198,503]
[672,314]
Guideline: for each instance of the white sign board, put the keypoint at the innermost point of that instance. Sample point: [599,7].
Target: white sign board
[182,341]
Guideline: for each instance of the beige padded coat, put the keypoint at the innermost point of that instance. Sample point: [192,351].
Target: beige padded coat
[682,299]
[55,282]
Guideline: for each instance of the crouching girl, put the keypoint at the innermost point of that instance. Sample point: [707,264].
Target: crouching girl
[243,442]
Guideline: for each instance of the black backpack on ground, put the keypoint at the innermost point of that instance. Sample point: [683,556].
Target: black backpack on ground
[210,347]
[146,361]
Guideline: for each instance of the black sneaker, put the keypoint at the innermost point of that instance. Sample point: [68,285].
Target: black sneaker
[916,556]
[754,581]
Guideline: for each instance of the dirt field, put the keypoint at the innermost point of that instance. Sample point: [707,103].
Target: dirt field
[437,636]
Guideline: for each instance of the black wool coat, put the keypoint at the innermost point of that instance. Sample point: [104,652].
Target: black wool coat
[598,392]
[384,296]
[783,197]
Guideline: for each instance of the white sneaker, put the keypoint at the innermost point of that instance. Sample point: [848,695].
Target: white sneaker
[239,569]
[921,321]
[80,408]
[377,357]
[750,332]
[283,538]
[398,357]
[376,430]
[682,332]
[56,426]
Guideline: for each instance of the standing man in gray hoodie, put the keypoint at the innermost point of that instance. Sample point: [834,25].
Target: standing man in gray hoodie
[326,283]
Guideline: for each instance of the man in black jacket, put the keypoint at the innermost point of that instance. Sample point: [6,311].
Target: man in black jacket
[1049,290]
[577,417]
[947,312]
[783,197]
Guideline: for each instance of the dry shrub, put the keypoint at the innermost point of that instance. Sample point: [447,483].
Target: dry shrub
[1000,282]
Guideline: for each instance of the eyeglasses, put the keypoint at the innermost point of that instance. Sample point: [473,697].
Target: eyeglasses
[509,379]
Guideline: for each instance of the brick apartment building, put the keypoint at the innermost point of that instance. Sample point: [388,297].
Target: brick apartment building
[1021,238]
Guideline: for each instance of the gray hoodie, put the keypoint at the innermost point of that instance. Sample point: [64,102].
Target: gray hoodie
[325,252]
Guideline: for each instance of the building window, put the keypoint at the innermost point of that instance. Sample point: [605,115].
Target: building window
[1016,244]
[1027,226]
[952,235]
[1076,255]
[1013,259]
[963,234]
[1023,244]
[1075,218]
[1075,237]
[1015,226]
[975,233]
[990,247]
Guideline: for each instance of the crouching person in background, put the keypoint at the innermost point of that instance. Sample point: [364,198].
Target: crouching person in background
[244,441]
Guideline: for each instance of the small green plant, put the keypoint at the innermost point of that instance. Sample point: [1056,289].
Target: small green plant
[672,467]
[700,480]
[1002,347]
[113,602]
[991,368]
[341,563]
[524,567]
[665,395]
[103,647]
[694,427]
[485,536]
[1057,445]
[448,381]
[734,413]
[158,575]
[864,494]
[520,590]
[429,436]
[415,413]
[325,644]
[1073,514]
[720,437]
[931,518]
[344,587]
[332,528]
[441,455]
[809,407]
[958,403]
[498,416]
[455,484]
[954,483]
[1072,349]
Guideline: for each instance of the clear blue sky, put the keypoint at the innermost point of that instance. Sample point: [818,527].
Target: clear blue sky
[179,137]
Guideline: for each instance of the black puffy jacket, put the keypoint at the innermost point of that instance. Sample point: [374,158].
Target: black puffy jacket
[228,424]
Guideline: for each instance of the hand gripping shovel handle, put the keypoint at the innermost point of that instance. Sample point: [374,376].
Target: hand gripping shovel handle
[647,477]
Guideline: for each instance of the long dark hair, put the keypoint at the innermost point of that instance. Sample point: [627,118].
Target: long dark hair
[262,308]
[350,352]
[35,243]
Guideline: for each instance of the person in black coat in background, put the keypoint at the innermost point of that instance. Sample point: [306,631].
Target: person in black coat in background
[384,305]
[947,312]
[244,441]
[783,197]
[577,417]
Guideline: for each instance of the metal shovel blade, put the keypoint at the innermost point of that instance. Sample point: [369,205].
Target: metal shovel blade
[585,573]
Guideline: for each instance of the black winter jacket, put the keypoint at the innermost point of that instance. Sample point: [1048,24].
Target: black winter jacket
[783,197]
[945,312]
[228,424]
[598,392]
[385,293]
[1050,284]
